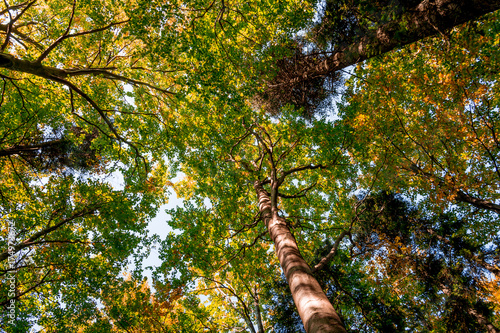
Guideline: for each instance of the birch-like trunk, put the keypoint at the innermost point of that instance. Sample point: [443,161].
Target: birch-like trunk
[315,310]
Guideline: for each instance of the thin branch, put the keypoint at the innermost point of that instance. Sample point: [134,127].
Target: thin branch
[286,152]
[20,178]
[22,36]
[110,75]
[66,36]
[302,168]
[103,116]
[28,242]
[299,194]
[12,21]
[42,281]
[9,27]
[325,260]
[14,7]
[242,248]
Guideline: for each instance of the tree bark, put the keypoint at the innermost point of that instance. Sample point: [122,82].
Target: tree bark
[427,19]
[258,317]
[18,150]
[315,310]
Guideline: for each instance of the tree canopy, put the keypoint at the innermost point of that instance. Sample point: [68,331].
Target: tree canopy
[317,196]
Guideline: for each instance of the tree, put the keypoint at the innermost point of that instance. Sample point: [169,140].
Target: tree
[430,129]
[350,32]
[129,305]
[77,96]
[449,264]
[401,269]
[229,129]
[278,155]
[74,65]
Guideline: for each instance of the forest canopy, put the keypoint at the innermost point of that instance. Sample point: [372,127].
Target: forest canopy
[338,164]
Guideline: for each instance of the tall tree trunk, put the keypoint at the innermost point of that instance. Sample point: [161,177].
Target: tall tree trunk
[429,18]
[26,149]
[315,310]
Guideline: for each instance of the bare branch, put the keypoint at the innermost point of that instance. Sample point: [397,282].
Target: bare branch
[14,7]
[20,178]
[460,195]
[22,36]
[9,27]
[267,150]
[299,194]
[245,227]
[12,21]
[302,168]
[286,152]
[113,76]
[325,260]
[242,249]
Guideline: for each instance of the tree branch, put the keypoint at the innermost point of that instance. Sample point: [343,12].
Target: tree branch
[66,36]
[325,260]
[103,116]
[26,243]
[298,195]
[22,36]
[13,20]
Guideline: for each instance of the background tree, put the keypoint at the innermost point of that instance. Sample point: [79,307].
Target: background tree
[404,270]
[77,96]
[432,134]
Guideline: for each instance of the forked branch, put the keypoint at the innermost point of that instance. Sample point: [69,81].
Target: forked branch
[325,260]
[67,35]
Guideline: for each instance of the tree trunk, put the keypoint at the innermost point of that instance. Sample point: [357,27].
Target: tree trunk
[315,310]
[429,18]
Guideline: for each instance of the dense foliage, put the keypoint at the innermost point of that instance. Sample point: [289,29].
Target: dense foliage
[384,190]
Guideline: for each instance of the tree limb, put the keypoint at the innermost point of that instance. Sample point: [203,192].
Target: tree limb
[325,260]
[66,36]
[26,243]
[427,19]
